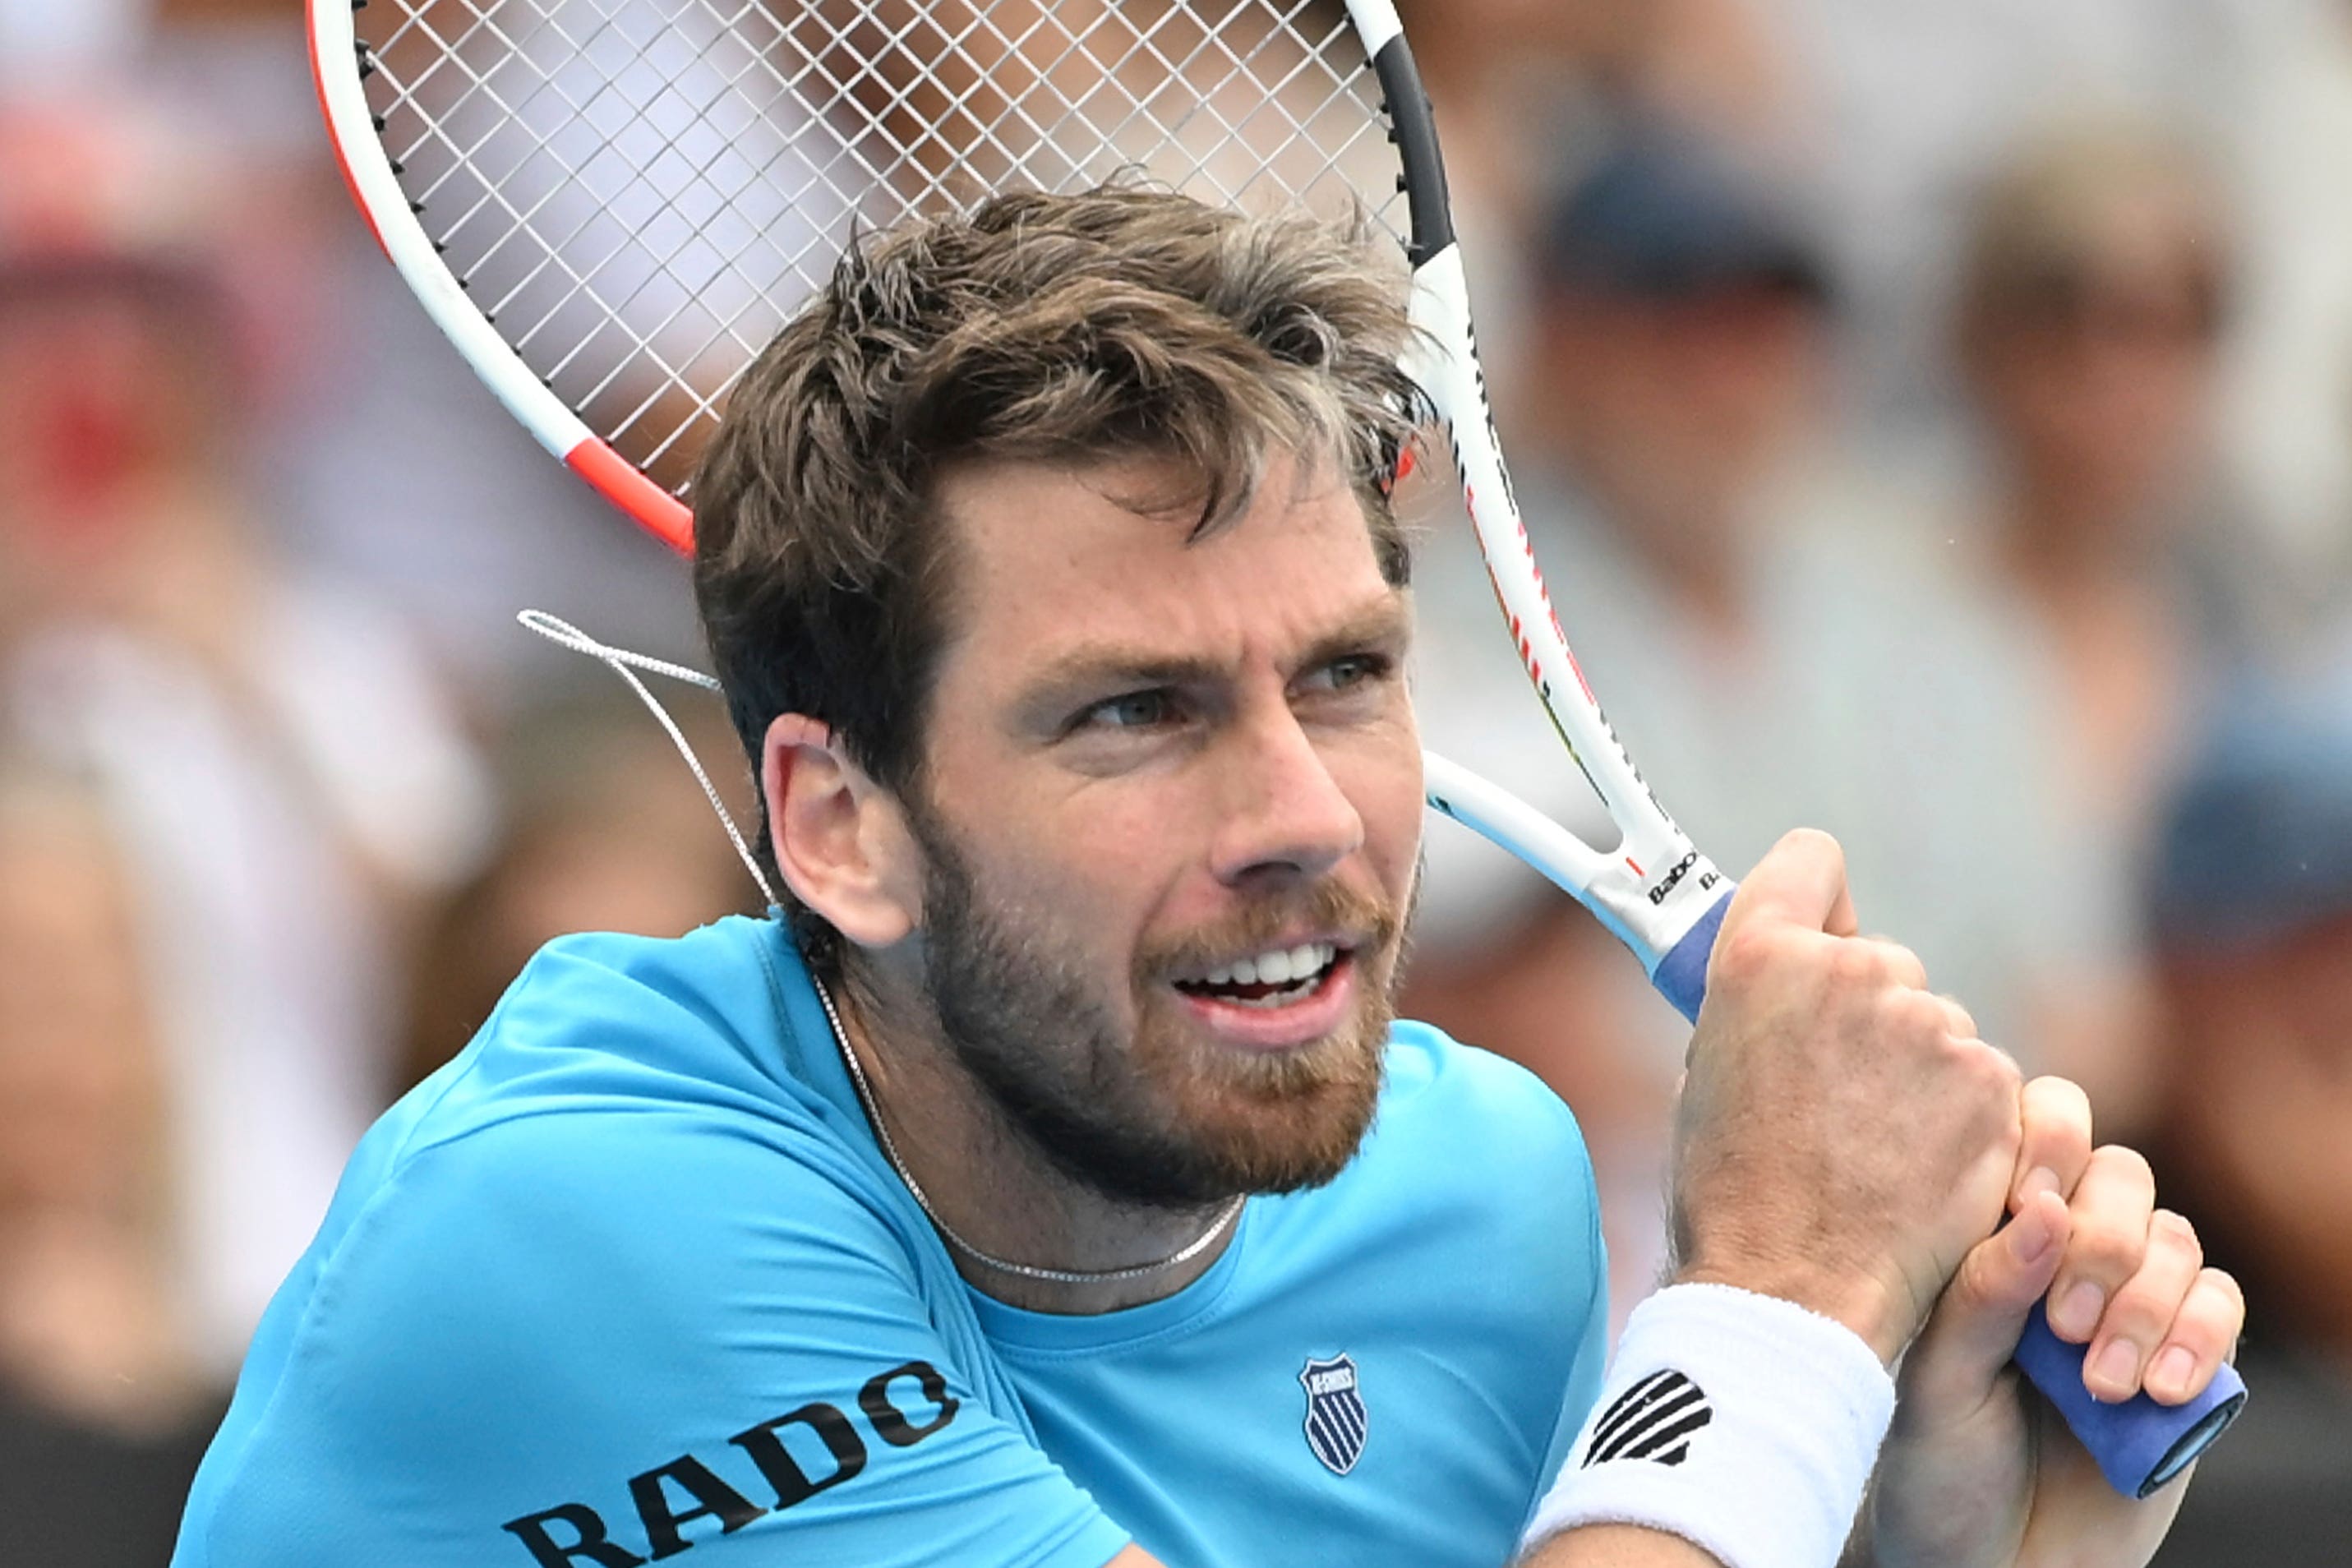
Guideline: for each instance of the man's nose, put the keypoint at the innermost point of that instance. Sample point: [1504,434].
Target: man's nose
[1284,812]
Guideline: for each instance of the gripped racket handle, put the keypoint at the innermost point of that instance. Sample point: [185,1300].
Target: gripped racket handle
[2139,1444]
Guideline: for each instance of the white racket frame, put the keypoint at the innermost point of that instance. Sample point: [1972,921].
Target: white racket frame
[335,53]
[1650,889]
[1654,889]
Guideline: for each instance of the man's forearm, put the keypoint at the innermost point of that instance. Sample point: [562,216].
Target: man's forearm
[1617,1546]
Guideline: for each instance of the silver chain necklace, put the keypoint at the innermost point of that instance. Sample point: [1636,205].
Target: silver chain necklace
[1189,1251]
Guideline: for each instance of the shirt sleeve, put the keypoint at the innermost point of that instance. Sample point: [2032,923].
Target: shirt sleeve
[1591,1361]
[599,1340]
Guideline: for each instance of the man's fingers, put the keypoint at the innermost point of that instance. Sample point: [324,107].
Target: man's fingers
[1958,1019]
[2203,1334]
[2110,1208]
[1975,1326]
[1800,881]
[2143,1308]
[2056,1150]
[1903,968]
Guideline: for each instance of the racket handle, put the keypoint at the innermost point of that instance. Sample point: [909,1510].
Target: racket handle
[2139,1445]
[1681,974]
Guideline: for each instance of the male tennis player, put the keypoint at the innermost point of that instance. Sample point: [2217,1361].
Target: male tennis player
[1051,1185]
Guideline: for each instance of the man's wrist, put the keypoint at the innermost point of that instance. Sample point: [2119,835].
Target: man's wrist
[1879,1315]
[1746,1424]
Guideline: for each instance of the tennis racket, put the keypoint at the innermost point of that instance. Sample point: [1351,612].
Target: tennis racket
[610,205]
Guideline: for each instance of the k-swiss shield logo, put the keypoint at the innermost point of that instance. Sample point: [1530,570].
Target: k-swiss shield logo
[1336,1418]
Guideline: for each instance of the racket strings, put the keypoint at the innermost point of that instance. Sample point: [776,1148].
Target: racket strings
[626,663]
[639,193]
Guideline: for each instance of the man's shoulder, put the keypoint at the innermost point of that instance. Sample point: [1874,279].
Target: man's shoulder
[611,1206]
[631,1108]
[1446,1099]
[601,1021]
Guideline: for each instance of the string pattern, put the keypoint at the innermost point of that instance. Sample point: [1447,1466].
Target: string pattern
[638,193]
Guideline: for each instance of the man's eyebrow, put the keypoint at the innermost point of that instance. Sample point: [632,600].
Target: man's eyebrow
[1382,624]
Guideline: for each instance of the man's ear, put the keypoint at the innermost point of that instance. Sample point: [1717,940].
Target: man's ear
[840,839]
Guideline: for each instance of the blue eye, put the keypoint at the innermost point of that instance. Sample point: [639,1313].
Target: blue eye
[1131,711]
[1353,670]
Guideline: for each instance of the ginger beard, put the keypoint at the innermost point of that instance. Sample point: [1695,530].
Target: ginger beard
[1163,1117]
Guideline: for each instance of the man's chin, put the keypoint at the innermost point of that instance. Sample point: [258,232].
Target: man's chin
[1294,1121]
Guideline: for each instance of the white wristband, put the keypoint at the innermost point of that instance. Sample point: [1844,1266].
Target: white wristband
[1744,1424]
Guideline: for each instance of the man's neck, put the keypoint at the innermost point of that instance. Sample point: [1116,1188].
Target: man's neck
[992,1191]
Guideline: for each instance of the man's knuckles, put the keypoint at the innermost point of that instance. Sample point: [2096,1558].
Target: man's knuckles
[2103,1251]
[2144,1304]
[2120,1166]
[1747,957]
[2114,1220]
[2172,1235]
[1864,965]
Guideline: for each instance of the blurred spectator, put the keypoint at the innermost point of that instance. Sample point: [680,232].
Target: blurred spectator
[1907,109]
[1497,71]
[2251,906]
[1775,638]
[268,749]
[104,1410]
[1495,68]
[2287,411]
[2094,288]
[608,832]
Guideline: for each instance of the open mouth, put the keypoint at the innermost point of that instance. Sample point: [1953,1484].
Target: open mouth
[1277,977]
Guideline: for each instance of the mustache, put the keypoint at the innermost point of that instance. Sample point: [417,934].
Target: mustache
[1371,922]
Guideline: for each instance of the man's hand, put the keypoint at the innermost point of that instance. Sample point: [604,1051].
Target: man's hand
[1979,1471]
[1843,1138]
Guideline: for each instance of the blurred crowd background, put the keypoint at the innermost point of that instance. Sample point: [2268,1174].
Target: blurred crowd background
[1937,422]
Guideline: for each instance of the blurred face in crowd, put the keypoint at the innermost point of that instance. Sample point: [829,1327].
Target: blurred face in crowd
[2094,371]
[109,386]
[1674,407]
[1167,822]
[77,1093]
[1491,31]
[2262,1104]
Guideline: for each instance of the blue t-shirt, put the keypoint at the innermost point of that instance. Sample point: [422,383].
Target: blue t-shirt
[630,1279]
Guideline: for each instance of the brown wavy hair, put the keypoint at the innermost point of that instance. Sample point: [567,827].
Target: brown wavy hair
[1116,323]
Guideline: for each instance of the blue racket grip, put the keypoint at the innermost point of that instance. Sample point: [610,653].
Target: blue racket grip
[2139,1445]
[1681,975]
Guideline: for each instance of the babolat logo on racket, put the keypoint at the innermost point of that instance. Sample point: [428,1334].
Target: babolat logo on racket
[1667,883]
[1653,1420]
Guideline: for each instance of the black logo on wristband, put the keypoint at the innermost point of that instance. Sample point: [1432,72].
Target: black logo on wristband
[1653,1420]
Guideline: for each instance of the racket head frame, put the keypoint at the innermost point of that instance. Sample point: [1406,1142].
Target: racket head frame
[1655,888]
[339,69]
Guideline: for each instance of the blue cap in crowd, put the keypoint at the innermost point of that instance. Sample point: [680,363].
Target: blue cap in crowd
[1664,213]
[2255,843]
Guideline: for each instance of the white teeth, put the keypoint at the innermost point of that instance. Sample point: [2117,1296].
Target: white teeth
[1279,966]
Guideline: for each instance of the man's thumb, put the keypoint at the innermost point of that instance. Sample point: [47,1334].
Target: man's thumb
[1800,881]
[1973,1330]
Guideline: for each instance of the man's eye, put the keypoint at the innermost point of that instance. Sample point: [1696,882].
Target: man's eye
[1353,670]
[1130,711]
